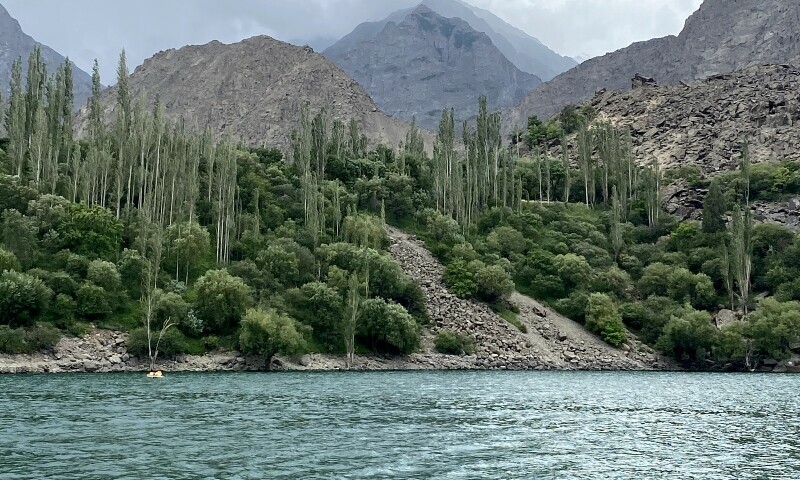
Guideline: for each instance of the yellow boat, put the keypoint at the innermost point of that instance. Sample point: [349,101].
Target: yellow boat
[156,374]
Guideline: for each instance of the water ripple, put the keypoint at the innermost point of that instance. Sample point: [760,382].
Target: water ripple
[416,425]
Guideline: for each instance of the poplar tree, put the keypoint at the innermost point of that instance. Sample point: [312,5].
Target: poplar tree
[585,157]
[617,240]
[350,322]
[714,209]
[15,119]
[741,253]
[565,162]
[34,93]
[122,131]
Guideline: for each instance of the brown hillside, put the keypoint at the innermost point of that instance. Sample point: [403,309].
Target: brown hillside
[705,123]
[255,89]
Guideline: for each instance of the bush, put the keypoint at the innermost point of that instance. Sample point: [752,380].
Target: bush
[8,261]
[688,338]
[58,282]
[221,301]
[62,312]
[451,343]
[171,306]
[211,343]
[460,279]
[493,283]
[93,302]
[42,337]
[268,333]
[22,298]
[574,270]
[104,274]
[505,241]
[574,306]
[16,340]
[321,307]
[603,318]
[387,327]
[12,340]
[91,231]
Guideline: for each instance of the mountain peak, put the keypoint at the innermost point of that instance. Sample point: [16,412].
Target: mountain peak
[422,9]
[426,62]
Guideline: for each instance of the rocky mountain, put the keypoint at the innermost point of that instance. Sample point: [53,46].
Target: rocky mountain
[425,63]
[14,43]
[256,89]
[705,123]
[526,52]
[721,37]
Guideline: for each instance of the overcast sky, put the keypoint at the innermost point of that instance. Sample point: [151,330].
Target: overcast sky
[89,29]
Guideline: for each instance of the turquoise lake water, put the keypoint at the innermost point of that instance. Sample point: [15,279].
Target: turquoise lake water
[395,425]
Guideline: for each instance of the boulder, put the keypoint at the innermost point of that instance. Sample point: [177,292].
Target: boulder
[725,317]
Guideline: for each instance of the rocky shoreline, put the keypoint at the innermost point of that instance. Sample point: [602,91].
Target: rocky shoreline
[548,340]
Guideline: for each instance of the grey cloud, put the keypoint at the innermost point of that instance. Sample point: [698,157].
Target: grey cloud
[89,29]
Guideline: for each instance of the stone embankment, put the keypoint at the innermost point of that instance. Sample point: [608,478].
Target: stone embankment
[105,351]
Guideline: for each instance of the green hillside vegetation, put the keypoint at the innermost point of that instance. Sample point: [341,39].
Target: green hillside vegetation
[193,243]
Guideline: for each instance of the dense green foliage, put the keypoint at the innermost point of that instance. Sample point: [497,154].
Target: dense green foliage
[190,242]
[190,239]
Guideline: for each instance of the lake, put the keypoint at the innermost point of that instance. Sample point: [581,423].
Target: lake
[401,425]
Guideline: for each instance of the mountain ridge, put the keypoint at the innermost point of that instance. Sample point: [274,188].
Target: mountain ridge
[426,63]
[720,37]
[256,88]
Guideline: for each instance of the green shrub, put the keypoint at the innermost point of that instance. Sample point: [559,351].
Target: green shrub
[451,343]
[22,298]
[387,327]
[211,343]
[603,318]
[269,333]
[12,340]
[172,343]
[42,337]
[62,311]
[221,301]
[574,306]
[321,307]
[493,283]
[511,317]
[460,279]
[689,337]
[93,302]
[104,274]
[8,261]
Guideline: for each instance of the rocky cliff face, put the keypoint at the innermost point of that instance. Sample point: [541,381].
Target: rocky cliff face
[256,89]
[426,63]
[14,43]
[721,37]
[705,123]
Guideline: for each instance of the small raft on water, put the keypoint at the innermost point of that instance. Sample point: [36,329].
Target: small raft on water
[156,374]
